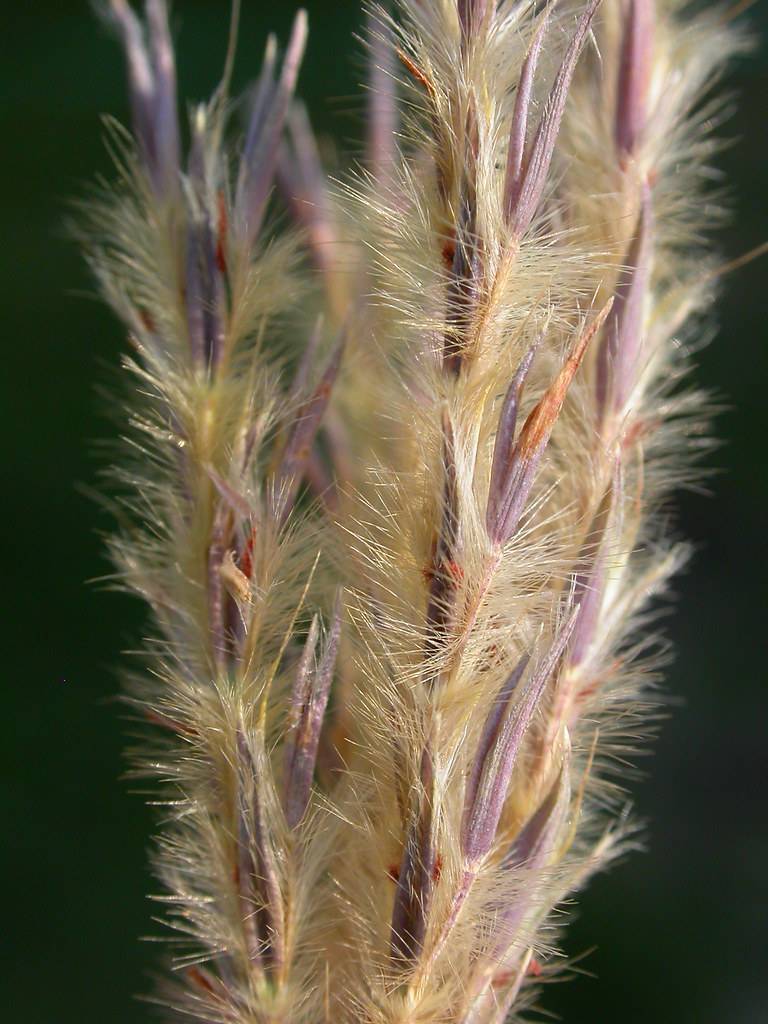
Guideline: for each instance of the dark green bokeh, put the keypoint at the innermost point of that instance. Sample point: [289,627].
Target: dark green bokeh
[680,930]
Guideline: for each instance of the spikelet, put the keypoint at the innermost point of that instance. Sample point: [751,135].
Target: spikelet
[213,539]
[528,303]
[386,719]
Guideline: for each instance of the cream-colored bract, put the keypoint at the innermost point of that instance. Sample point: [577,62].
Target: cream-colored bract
[391,491]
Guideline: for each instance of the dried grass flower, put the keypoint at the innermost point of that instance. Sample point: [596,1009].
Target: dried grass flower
[393,489]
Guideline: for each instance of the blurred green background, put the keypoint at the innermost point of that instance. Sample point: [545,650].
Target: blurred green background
[678,934]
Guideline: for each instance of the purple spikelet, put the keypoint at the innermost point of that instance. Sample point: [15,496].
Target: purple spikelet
[523,188]
[309,699]
[500,747]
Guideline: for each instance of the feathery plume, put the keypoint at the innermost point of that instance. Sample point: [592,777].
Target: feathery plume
[376,819]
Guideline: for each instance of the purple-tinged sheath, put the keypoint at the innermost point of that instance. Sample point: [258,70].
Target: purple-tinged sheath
[514,471]
[141,84]
[523,193]
[152,88]
[237,502]
[518,132]
[268,114]
[259,885]
[301,438]
[634,74]
[500,745]
[309,700]
[492,727]
[217,549]
[535,842]
[302,182]
[261,101]
[472,18]
[465,270]
[462,288]
[503,449]
[418,873]
[321,483]
[165,100]
[531,852]
[443,571]
[381,148]
[592,568]
[245,866]
[623,335]
[205,289]
[302,686]
[300,381]
[194,292]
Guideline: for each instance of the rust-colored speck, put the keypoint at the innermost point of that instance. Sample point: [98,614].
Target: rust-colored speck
[538,426]
[502,978]
[246,559]
[147,319]
[534,968]
[168,723]
[200,979]
[455,570]
[416,72]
